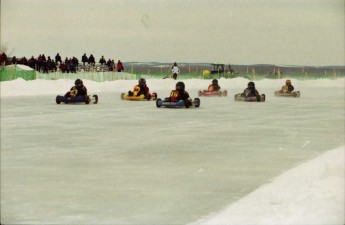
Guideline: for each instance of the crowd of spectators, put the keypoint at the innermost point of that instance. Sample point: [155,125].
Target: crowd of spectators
[69,65]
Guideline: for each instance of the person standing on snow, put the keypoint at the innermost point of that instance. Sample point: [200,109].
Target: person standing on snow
[119,66]
[175,71]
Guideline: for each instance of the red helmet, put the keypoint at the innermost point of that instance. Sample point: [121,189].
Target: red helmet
[288,81]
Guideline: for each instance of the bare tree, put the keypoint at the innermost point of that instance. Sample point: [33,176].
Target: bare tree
[4,48]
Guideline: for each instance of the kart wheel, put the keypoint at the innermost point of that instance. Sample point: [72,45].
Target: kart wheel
[148,96]
[187,103]
[196,102]
[57,100]
[225,93]
[220,94]
[262,98]
[199,93]
[159,103]
[298,94]
[123,96]
[96,99]
[154,96]
[87,100]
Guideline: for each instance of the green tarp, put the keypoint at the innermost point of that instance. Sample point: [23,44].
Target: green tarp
[13,72]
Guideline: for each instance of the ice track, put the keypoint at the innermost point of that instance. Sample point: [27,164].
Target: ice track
[121,162]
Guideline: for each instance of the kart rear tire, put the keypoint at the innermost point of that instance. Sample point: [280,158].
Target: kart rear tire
[157,104]
[148,96]
[96,99]
[187,103]
[58,99]
[197,102]
[87,100]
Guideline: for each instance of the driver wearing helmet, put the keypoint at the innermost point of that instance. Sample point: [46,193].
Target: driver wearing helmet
[139,89]
[77,90]
[287,88]
[214,86]
[250,91]
[178,94]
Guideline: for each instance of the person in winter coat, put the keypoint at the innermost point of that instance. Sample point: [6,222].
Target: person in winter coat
[102,60]
[175,71]
[119,66]
[92,60]
[58,58]
[84,59]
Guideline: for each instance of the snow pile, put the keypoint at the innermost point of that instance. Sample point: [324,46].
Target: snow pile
[20,66]
[20,87]
[312,193]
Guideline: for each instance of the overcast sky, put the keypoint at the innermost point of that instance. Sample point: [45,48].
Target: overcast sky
[292,32]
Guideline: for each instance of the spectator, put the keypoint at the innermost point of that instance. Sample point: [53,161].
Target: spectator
[22,61]
[72,67]
[58,58]
[109,63]
[32,62]
[92,60]
[102,60]
[75,62]
[14,60]
[52,66]
[84,59]
[45,66]
[64,68]
[39,63]
[119,66]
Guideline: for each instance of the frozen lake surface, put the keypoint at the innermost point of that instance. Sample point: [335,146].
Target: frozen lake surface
[121,162]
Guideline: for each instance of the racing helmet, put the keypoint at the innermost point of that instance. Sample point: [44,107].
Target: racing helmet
[180,86]
[251,84]
[142,82]
[78,83]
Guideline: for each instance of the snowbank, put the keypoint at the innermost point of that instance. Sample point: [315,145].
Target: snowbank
[312,193]
[22,67]
[20,87]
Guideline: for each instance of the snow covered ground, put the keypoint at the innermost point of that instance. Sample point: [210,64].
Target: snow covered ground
[121,162]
